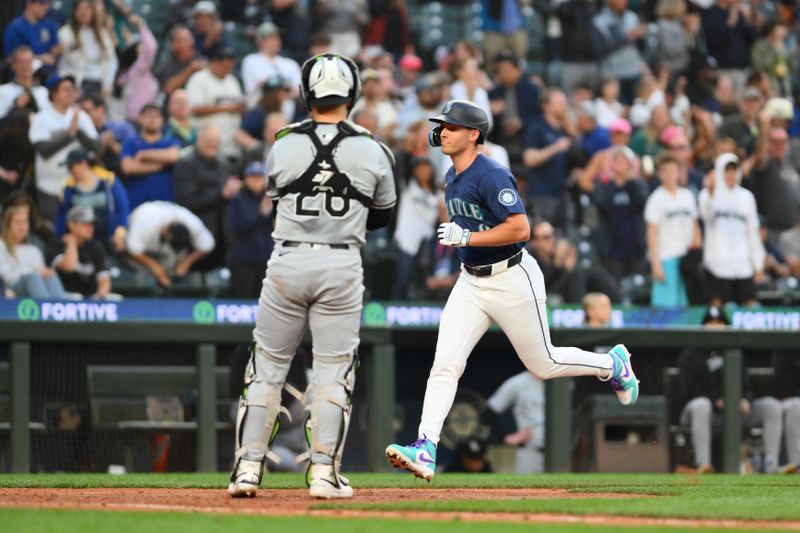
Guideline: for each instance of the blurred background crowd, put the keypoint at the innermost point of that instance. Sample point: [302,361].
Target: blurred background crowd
[656,142]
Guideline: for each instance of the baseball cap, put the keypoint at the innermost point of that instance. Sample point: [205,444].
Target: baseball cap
[204,6]
[780,108]
[275,82]
[751,93]
[427,82]
[507,55]
[77,155]
[669,133]
[267,29]
[410,62]
[54,81]
[255,168]
[226,52]
[620,125]
[82,214]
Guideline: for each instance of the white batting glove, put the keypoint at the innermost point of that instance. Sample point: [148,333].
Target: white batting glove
[451,234]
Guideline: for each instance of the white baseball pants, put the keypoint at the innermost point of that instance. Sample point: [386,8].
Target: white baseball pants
[515,300]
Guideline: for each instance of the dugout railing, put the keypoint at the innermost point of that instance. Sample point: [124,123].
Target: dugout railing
[379,374]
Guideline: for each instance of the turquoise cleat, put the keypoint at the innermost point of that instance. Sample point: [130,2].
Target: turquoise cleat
[624,381]
[418,458]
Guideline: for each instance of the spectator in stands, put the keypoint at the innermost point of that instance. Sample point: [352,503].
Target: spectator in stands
[343,20]
[204,183]
[646,140]
[770,55]
[428,101]
[22,265]
[729,29]
[267,63]
[733,255]
[676,143]
[178,13]
[17,155]
[217,100]
[251,130]
[523,395]
[620,202]
[182,62]
[409,69]
[24,91]
[88,50]
[167,239]
[179,124]
[139,85]
[593,137]
[54,132]
[674,37]
[40,230]
[649,94]
[607,104]
[789,246]
[82,262]
[774,179]
[596,310]
[103,192]
[515,108]
[503,28]
[468,86]
[32,28]
[742,127]
[113,133]
[672,229]
[701,394]
[258,152]
[420,208]
[147,160]
[546,144]
[578,65]
[250,217]
[375,98]
[616,30]
[209,33]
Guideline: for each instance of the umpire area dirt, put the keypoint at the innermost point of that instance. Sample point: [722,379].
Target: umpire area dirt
[297,503]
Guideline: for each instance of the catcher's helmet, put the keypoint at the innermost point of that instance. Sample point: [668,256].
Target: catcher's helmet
[328,80]
[460,113]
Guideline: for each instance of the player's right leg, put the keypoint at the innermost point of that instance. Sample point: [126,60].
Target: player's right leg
[697,414]
[280,325]
[462,325]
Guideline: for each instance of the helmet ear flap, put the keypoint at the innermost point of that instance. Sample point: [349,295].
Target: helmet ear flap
[435,136]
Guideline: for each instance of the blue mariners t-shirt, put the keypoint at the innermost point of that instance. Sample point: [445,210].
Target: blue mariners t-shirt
[549,178]
[41,37]
[149,187]
[480,198]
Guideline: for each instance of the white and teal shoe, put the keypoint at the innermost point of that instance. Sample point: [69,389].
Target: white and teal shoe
[623,380]
[418,458]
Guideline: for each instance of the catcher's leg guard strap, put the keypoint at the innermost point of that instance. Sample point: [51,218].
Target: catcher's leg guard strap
[259,407]
[334,381]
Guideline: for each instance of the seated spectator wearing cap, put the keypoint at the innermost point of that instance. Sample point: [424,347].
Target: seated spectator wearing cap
[217,100]
[267,63]
[250,217]
[81,262]
[672,229]
[147,160]
[209,33]
[54,132]
[742,126]
[179,120]
[23,91]
[419,211]
[167,239]
[545,157]
[774,178]
[515,104]
[183,61]
[733,255]
[22,265]
[139,85]
[113,133]
[204,183]
[33,29]
[260,149]
[427,101]
[99,189]
[375,97]
[251,129]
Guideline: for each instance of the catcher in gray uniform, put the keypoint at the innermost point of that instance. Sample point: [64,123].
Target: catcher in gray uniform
[332,182]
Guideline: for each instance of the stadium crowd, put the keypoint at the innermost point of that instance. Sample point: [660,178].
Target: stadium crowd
[658,150]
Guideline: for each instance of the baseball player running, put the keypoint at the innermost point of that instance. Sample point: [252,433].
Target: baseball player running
[331,182]
[499,282]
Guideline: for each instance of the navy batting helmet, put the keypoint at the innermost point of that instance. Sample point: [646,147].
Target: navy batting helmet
[460,113]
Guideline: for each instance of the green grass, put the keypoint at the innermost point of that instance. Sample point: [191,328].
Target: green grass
[64,521]
[662,495]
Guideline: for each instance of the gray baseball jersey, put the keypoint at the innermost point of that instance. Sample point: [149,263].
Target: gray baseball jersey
[309,218]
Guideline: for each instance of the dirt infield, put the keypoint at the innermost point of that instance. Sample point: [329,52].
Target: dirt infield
[296,503]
